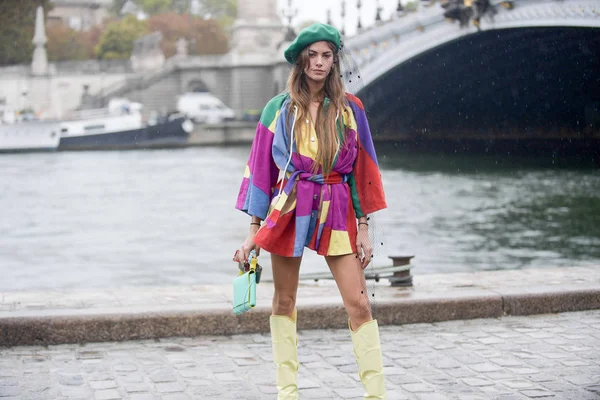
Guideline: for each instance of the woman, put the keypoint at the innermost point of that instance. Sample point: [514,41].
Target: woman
[319,136]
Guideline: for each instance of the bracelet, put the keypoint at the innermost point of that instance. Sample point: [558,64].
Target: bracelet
[363,223]
[255,223]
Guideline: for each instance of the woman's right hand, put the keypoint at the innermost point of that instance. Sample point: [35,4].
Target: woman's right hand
[243,253]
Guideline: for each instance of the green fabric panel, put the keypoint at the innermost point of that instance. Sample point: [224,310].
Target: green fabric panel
[270,111]
[355,202]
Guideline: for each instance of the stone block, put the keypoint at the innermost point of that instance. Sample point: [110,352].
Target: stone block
[544,299]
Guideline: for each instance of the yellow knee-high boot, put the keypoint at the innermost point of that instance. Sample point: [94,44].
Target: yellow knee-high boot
[367,349]
[285,355]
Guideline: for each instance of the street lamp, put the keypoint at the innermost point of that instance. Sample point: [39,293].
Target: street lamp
[358,6]
[343,32]
[290,13]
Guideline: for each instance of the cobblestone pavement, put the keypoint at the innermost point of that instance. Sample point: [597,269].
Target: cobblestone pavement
[547,356]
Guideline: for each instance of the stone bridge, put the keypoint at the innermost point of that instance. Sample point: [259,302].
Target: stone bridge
[530,69]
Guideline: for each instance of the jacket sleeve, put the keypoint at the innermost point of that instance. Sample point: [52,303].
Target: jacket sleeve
[365,180]
[260,176]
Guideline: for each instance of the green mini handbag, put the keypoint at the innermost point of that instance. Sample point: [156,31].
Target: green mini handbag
[244,285]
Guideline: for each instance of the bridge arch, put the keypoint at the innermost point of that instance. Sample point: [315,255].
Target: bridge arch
[533,69]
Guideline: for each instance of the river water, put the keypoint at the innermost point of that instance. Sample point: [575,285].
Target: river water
[166,217]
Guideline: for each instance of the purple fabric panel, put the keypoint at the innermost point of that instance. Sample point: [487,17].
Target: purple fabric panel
[304,192]
[338,208]
[347,154]
[262,167]
[303,163]
[325,193]
[255,191]
[364,133]
[242,199]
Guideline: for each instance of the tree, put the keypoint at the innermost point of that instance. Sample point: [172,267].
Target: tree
[218,9]
[204,36]
[117,6]
[17,25]
[209,37]
[224,11]
[64,43]
[152,7]
[117,40]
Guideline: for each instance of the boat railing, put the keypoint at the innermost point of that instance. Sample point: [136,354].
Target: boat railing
[95,113]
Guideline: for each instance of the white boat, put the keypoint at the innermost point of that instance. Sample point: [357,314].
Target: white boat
[121,127]
[21,133]
[29,136]
[117,127]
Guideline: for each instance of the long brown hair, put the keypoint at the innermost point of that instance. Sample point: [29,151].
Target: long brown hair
[325,125]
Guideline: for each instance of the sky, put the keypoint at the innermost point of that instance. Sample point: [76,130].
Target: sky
[317,10]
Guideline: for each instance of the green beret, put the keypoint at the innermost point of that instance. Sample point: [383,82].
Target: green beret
[310,34]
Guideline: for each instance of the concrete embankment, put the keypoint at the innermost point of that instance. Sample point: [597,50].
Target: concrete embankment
[53,317]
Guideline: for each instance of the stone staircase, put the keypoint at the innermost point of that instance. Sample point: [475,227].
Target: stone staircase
[156,90]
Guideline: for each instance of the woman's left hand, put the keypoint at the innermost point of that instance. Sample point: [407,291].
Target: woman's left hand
[363,246]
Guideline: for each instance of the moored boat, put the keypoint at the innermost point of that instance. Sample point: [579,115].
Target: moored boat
[29,136]
[119,126]
[123,132]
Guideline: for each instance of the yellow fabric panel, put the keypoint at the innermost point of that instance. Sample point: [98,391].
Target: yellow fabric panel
[247,172]
[278,201]
[306,147]
[290,203]
[339,244]
[324,211]
[284,203]
[274,122]
[349,120]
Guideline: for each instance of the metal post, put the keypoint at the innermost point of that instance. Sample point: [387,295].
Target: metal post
[359,25]
[343,31]
[290,13]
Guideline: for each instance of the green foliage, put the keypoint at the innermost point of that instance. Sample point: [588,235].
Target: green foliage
[17,25]
[152,7]
[204,36]
[224,11]
[117,6]
[117,40]
[411,6]
[65,44]
[219,8]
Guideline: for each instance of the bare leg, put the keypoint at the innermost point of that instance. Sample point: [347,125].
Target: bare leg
[286,272]
[350,279]
[283,325]
[364,331]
